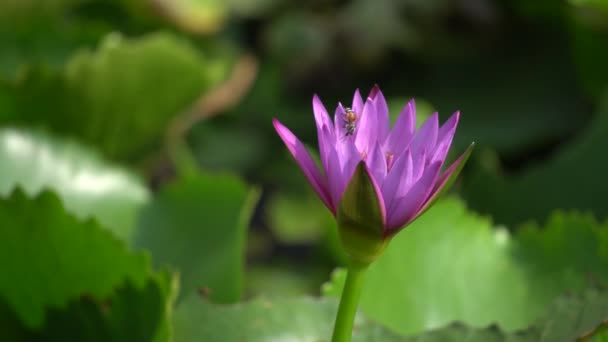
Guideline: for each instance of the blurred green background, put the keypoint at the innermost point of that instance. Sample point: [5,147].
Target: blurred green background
[144,194]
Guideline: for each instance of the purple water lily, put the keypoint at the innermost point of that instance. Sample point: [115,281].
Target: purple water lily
[403,163]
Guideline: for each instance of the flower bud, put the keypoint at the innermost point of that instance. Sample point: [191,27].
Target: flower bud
[361,218]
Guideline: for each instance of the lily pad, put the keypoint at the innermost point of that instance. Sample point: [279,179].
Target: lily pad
[198,225]
[569,318]
[293,319]
[87,185]
[50,258]
[130,314]
[452,265]
[121,96]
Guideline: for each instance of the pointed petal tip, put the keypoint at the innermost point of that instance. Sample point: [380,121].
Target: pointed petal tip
[374,91]
[276,122]
[316,99]
[448,177]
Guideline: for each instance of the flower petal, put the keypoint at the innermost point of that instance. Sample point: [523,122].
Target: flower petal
[445,181]
[403,131]
[325,130]
[376,163]
[407,207]
[357,105]
[426,136]
[382,117]
[365,136]
[400,172]
[327,142]
[374,92]
[342,162]
[419,165]
[445,137]
[304,160]
[339,122]
[321,116]
[335,180]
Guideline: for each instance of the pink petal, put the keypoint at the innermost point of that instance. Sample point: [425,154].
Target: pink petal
[374,92]
[382,117]
[342,163]
[419,165]
[326,143]
[376,163]
[335,179]
[403,131]
[400,172]
[307,165]
[444,138]
[408,206]
[339,122]
[357,105]
[321,116]
[365,136]
[426,136]
[447,178]
[325,129]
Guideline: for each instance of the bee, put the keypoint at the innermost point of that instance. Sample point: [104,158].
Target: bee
[350,118]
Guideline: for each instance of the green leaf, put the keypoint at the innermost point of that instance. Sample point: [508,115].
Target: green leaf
[120,97]
[130,314]
[569,318]
[199,226]
[451,265]
[86,184]
[294,319]
[298,218]
[49,257]
[574,178]
[37,32]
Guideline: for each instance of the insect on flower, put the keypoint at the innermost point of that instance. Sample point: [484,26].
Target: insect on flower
[350,118]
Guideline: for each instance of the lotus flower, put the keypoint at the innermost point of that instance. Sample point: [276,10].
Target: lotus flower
[402,164]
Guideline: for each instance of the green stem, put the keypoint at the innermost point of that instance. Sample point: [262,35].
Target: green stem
[348,303]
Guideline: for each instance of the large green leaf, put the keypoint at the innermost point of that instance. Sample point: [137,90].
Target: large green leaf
[49,258]
[87,186]
[569,318]
[575,178]
[452,265]
[198,225]
[130,314]
[293,319]
[121,96]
